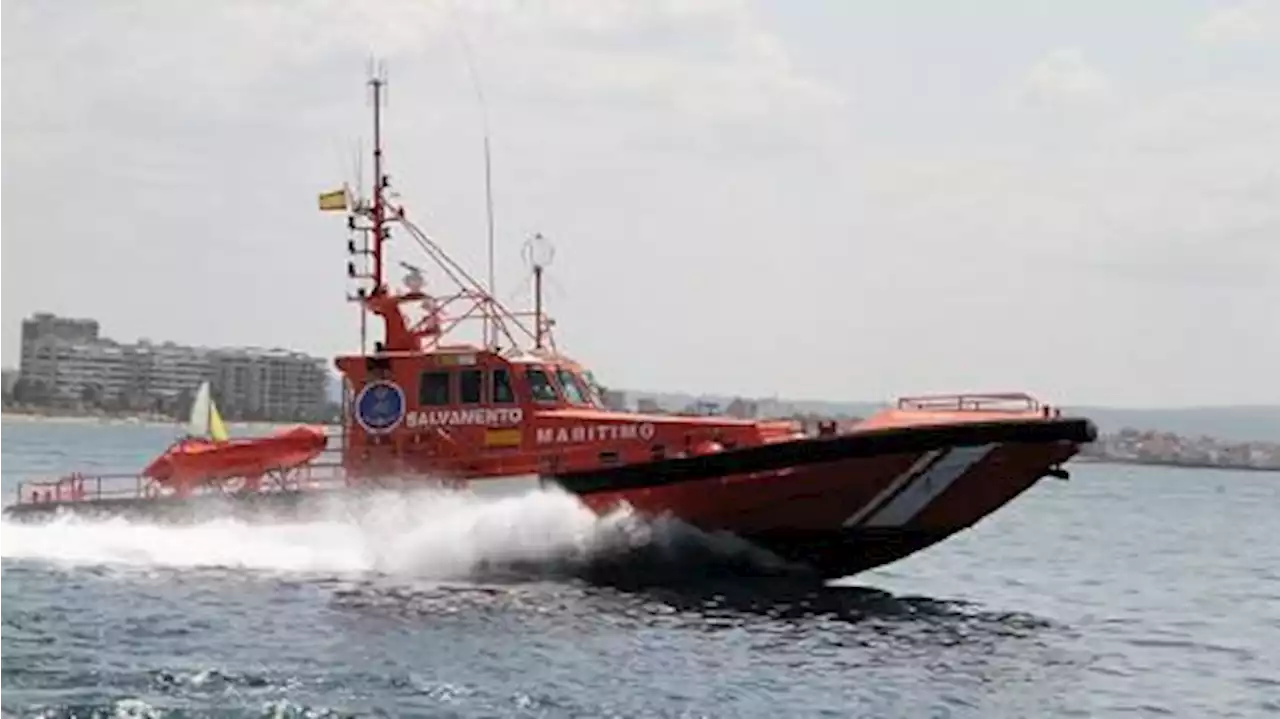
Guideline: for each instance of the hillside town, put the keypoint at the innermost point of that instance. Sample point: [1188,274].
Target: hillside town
[1134,446]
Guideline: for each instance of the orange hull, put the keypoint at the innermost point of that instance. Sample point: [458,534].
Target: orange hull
[196,460]
[839,517]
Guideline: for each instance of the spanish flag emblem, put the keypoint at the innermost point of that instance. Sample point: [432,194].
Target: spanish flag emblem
[502,437]
[334,201]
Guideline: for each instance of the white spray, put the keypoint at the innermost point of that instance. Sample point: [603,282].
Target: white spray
[440,535]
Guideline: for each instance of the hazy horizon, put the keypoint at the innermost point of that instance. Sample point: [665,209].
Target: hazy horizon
[750,198]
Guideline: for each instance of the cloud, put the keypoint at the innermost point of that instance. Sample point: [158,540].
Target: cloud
[1063,77]
[192,116]
[1247,22]
[695,75]
[1185,186]
[710,59]
[670,142]
[1138,239]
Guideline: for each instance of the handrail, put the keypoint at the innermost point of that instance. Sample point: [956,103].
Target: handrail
[77,486]
[972,402]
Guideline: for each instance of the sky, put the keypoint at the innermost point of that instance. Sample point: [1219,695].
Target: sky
[823,200]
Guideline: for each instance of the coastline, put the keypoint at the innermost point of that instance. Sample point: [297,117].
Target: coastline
[24,417]
[18,416]
[1171,463]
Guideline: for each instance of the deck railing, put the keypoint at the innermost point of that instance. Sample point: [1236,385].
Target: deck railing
[975,402]
[79,486]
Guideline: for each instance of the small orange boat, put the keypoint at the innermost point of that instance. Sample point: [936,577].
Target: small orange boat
[206,454]
[505,410]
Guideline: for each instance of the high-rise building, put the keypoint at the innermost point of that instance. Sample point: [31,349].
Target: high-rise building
[66,362]
[67,371]
[10,379]
[615,399]
[743,408]
[44,324]
[648,405]
[269,383]
[167,369]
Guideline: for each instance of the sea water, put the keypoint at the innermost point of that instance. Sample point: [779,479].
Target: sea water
[1123,592]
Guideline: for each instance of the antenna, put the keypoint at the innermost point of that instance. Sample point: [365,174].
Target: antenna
[357,164]
[377,84]
[539,252]
[488,207]
[490,328]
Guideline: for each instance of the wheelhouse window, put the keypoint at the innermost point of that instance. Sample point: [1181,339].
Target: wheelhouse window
[433,388]
[500,389]
[592,388]
[540,386]
[471,386]
[589,391]
[572,389]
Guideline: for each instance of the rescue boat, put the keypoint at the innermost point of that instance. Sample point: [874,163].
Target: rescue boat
[206,453]
[506,410]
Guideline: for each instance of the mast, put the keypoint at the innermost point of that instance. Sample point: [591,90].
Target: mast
[372,217]
[537,306]
[377,82]
[370,248]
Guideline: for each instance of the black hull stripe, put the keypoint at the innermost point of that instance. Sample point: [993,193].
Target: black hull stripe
[818,450]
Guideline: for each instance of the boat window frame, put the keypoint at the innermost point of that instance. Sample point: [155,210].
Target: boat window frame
[423,399]
[479,374]
[493,386]
[589,390]
[556,397]
[572,389]
[588,379]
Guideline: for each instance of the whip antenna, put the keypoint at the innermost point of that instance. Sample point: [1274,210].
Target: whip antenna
[490,331]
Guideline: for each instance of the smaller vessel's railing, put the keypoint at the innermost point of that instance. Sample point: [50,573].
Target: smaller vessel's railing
[77,487]
[975,402]
[80,487]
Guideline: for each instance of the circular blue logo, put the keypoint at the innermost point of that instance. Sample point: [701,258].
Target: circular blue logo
[380,406]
